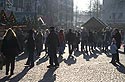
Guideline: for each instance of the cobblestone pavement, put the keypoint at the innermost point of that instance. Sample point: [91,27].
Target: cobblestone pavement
[91,67]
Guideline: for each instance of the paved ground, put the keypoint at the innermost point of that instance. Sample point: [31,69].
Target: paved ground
[91,67]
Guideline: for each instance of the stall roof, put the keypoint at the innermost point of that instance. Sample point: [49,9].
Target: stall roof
[94,24]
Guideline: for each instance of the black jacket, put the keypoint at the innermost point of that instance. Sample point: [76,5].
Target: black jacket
[52,40]
[117,37]
[70,37]
[10,47]
[30,44]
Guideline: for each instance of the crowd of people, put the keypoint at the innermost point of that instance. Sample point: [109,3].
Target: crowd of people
[16,41]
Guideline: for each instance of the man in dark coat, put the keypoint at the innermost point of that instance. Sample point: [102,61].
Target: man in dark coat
[70,38]
[84,39]
[77,40]
[30,49]
[90,40]
[39,43]
[10,49]
[20,37]
[53,44]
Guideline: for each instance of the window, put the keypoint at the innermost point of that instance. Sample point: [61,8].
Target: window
[113,15]
[120,15]
[121,4]
[1,4]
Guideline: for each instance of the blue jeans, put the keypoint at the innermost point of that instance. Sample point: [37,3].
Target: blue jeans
[61,48]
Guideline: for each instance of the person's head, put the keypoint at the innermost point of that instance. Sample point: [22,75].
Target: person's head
[46,31]
[70,30]
[116,31]
[39,33]
[31,31]
[52,29]
[76,31]
[121,31]
[61,31]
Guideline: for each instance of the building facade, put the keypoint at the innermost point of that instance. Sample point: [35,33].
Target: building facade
[81,17]
[114,12]
[65,14]
[54,12]
[58,13]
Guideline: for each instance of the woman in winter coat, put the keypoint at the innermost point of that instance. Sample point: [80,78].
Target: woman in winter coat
[61,42]
[117,37]
[10,49]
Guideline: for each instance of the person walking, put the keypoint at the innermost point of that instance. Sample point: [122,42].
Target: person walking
[30,49]
[90,40]
[45,37]
[117,37]
[20,36]
[77,40]
[84,40]
[61,42]
[70,38]
[39,43]
[52,42]
[10,49]
[113,49]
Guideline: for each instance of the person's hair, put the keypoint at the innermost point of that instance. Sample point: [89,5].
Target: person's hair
[70,30]
[52,28]
[116,29]
[61,30]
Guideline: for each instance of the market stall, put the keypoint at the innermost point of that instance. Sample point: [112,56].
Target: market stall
[94,24]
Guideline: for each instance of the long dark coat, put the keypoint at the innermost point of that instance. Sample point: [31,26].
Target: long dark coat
[52,40]
[30,44]
[10,47]
[117,37]
[70,37]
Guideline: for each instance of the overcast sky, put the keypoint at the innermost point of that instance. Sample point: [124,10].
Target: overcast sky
[82,4]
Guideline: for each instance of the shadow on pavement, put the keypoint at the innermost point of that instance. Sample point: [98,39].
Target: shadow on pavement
[70,60]
[91,54]
[77,53]
[17,77]
[20,75]
[4,79]
[121,68]
[86,56]
[94,54]
[21,57]
[42,60]
[108,54]
[60,59]
[49,76]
